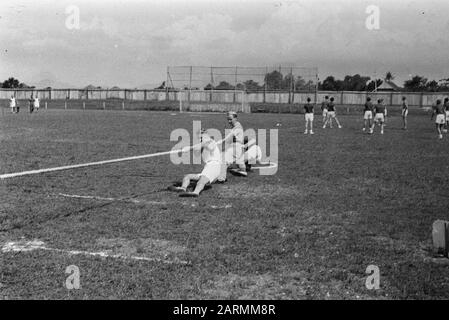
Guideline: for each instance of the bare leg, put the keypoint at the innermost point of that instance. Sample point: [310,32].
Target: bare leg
[187,179]
[338,122]
[200,184]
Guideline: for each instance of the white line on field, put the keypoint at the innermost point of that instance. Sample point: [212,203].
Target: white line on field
[76,196]
[26,246]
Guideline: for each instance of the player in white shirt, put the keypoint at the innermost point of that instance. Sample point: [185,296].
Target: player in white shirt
[36,104]
[13,104]
[233,149]
[211,156]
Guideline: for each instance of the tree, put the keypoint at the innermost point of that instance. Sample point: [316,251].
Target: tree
[432,86]
[331,84]
[417,83]
[11,83]
[373,84]
[223,85]
[355,83]
[252,85]
[274,80]
[389,76]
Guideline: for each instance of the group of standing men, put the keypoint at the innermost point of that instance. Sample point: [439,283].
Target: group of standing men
[33,104]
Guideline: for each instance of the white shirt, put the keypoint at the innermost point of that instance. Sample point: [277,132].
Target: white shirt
[211,152]
[237,133]
[12,102]
[36,102]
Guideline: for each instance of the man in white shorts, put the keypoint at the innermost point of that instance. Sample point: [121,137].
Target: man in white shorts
[381,112]
[324,107]
[211,156]
[308,116]
[233,149]
[404,112]
[446,109]
[253,153]
[438,110]
[331,114]
[13,104]
[368,116]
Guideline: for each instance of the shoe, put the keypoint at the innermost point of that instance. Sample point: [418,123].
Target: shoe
[440,136]
[381,132]
[363,129]
[339,127]
[176,189]
[189,195]
[221,181]
[324,127]
[305,132]
[239,172]
[311,132]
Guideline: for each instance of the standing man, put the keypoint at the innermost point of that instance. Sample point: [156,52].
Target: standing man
[438,110]
[368,116]
[331,114]
[36,103]
[12,104]
[233,148]
[381,113]
[446,109]
[308,115]
[31,104]
[404,112]
[324,107]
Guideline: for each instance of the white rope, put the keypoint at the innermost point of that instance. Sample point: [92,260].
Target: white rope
[89,164]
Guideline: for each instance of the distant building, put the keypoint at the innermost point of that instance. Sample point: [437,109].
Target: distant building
[388,86]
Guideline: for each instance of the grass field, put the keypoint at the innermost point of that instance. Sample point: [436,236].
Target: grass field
[340,201]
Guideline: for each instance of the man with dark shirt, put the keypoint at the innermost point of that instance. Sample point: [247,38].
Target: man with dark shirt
[308,116]
[368,116]
[446,109]
[438,110]
[381,113]
[331,114]
[324,107]
[404,112]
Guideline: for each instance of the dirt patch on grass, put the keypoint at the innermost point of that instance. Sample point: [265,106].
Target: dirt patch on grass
[150,248]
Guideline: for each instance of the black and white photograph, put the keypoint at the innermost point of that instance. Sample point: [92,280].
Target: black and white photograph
[236,153]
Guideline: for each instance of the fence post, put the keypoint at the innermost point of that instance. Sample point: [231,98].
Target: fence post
[65,104]
[421,100]
[104,105]
[84,105]
[45,105]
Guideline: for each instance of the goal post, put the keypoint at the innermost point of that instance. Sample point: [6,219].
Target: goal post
[213,101]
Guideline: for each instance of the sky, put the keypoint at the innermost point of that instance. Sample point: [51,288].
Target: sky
[131,43]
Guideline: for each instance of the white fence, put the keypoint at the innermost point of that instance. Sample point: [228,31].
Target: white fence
[420,99]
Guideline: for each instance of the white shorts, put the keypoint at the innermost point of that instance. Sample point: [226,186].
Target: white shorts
[309,116]
[447,115]
[404,112]
[233,153]
[441,119]
[324,112]
[379,117]
[368,115]
[331,114]
[211,171]
[253,155]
